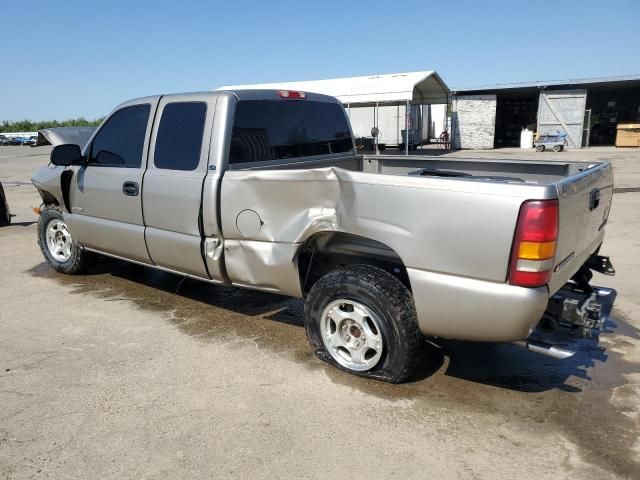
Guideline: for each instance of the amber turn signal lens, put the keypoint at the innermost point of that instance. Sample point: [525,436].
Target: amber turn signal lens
[537,250]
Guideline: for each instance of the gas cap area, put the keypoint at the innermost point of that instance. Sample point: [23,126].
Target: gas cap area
[248,223]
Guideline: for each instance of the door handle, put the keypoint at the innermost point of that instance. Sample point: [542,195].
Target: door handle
[130,188]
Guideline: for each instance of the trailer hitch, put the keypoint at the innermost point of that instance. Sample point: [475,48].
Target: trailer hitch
[577,308]
[574,311]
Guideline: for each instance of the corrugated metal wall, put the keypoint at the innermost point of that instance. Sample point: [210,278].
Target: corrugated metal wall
[474,120]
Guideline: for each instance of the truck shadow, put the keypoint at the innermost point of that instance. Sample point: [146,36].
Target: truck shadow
[512,367]
[209,311]
[242,301]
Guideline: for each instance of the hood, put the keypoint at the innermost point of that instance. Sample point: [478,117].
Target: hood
[63,135]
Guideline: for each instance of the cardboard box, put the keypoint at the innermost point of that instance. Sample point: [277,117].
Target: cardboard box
[628,135]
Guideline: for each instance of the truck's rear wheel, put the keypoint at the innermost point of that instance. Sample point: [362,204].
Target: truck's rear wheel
[362,319]
[57,246]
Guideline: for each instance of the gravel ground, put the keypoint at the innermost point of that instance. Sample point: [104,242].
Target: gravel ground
[131,373]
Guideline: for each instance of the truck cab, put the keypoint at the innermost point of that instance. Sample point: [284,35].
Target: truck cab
[149,191]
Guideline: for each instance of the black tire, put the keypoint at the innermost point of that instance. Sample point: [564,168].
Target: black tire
[557,148]
[5,215]
[540,148]
[79,259]
[389,300]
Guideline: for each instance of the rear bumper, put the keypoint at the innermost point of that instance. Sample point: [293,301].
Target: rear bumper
[470,309]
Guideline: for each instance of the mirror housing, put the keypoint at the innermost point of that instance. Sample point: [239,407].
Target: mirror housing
[67,155]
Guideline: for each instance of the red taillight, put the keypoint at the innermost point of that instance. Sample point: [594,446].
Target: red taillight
[534,245]
[291,94]
[538,221]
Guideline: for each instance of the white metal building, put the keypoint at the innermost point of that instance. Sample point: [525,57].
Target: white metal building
[382,101]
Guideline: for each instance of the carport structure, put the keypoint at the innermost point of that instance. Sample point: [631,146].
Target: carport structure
[374,92]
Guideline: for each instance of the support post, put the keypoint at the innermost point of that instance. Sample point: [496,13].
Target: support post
[406,130]
[375,124]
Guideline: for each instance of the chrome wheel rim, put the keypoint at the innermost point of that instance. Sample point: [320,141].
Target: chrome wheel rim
[59,240]
[351,334]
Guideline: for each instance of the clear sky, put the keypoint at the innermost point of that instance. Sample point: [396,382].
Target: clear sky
[63,59]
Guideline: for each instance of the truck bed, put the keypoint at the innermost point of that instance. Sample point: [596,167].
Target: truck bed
[572,183]
[498,170]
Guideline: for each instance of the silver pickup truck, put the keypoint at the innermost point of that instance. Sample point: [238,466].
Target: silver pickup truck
[263,189]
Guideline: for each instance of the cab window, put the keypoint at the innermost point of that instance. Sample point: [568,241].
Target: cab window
[120,141]
[179,138]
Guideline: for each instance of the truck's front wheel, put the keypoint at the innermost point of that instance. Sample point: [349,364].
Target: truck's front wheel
[61,252]
[363,320]
[5,216]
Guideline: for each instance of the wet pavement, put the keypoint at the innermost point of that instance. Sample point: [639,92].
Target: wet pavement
[575,394]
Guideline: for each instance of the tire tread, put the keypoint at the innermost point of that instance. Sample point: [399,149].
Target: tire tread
[397,294]
[80,259]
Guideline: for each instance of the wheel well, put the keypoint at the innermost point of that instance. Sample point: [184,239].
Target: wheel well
[326,251]
[47,198]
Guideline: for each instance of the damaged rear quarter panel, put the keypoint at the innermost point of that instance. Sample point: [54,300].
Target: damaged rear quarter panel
[459,228]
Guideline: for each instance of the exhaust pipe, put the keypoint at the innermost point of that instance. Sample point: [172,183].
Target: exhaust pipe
[545,349]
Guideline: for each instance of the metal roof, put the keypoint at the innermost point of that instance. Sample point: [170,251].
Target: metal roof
[550,83]
[397,88]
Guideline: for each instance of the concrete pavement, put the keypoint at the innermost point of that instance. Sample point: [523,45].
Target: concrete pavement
[131,373]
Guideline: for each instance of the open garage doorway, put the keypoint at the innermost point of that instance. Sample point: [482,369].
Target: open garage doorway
[515,111]
[610,105]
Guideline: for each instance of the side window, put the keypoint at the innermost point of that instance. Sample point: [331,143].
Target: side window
[179,139]
[120,141]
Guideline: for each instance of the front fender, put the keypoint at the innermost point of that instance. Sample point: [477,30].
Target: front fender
[48,180]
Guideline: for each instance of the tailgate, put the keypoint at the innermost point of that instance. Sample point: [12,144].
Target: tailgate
[584,201]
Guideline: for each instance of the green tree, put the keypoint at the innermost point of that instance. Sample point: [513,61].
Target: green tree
[29,126]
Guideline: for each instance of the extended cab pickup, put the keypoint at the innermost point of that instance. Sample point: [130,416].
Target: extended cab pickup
[264,189]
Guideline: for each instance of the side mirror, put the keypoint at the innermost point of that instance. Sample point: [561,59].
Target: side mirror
[66,155]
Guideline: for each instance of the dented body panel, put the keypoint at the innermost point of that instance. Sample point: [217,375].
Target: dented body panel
[47,180]
[444,226]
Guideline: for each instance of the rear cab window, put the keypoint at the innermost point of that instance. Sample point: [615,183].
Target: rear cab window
[179,138]
[267,130]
